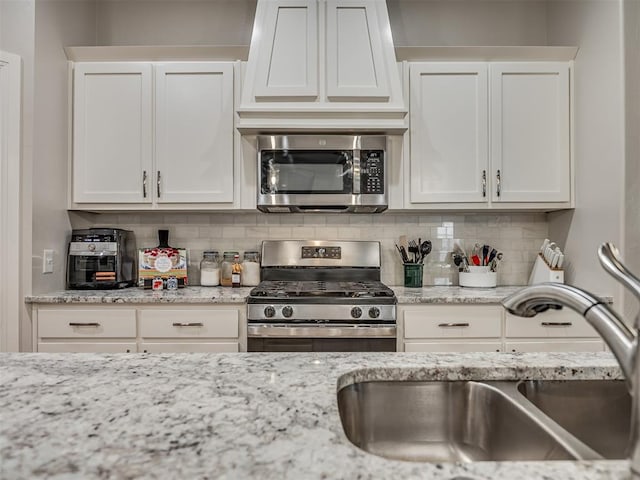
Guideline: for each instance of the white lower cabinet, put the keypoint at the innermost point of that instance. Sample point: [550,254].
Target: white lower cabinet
[451,328]
[551,331]
[145,328]
[488,328]
[198,330]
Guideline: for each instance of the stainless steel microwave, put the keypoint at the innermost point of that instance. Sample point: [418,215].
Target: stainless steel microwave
[322,173]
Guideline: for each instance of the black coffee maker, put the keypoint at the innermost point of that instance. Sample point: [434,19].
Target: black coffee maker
[101,258]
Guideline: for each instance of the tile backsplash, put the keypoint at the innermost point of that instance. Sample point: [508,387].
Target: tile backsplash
[517,235]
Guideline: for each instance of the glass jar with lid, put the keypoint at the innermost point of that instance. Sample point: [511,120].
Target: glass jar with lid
[210,268]
[227,268]
[251,269]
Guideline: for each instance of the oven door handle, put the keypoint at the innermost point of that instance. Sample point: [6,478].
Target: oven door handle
[320,331]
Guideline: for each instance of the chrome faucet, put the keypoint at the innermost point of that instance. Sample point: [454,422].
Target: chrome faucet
[622,340]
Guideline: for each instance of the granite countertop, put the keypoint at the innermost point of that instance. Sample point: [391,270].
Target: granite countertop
[212,295]
[231,416]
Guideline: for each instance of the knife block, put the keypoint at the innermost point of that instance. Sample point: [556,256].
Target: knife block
[543,273]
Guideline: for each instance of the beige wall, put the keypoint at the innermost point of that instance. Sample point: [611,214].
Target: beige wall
[632,135]
[467,22]
[175,22]
[594,26]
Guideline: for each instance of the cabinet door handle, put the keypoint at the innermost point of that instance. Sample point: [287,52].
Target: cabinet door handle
[84,324]
[144,184]
[498,183]
[484,183]
[556,324]
[158,183]
[188,324]
[450,325]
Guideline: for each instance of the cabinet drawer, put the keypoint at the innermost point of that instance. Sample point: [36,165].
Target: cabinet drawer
[200,347]
[453,321]
[190,323]
[453,347]
[551,324]
[87,323]
[85,347]
[541,346]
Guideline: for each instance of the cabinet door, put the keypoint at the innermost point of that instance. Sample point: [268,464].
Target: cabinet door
[194,133]
[112,133]
[530,132]
[449,132]
[354,60]
[287,66]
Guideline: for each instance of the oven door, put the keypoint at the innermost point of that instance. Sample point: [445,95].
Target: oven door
[271,337]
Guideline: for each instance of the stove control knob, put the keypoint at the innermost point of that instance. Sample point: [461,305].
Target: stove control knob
[269,311]
[356,312]
[287,311]
[374,312]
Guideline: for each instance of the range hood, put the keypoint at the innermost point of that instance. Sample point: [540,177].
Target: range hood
[321,65]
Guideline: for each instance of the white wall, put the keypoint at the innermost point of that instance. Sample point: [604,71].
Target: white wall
[632,133]
[175,22]
[58,23]
[594,26]
[467,22]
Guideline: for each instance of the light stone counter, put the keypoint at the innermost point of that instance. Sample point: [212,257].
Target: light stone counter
[199,295]
[445,294]
[239,416]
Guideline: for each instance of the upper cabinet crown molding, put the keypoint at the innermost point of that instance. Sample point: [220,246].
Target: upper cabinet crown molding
[487,53]
[322,64]
[157,53]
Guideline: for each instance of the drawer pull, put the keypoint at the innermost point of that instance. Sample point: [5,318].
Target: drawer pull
[84,324]
[452,325]
[556,324]
[188,324]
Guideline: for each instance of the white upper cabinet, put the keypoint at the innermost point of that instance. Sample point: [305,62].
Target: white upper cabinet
[326,64]
[112,140]
[530,132]
[194,133]
[355,65]
[288,68]
[449,132]
[153,135]
[489,135]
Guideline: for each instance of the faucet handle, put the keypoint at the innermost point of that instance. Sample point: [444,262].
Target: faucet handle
[610,260]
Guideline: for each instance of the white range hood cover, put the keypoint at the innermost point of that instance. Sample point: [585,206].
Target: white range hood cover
[322,64]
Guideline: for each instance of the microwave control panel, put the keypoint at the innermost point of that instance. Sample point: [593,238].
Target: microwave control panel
[372,171]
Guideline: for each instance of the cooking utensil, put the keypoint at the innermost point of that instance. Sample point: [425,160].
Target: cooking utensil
[492,255]
[474,255]
[425,249]
[485,254]
[496,261]
[403,254]
[415,249]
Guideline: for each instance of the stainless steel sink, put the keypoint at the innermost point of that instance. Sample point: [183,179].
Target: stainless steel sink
[597,412]
[481,421]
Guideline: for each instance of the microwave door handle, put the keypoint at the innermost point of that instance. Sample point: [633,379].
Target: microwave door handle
[356,172]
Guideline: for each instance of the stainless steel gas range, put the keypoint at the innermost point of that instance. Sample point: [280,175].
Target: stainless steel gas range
[320,295]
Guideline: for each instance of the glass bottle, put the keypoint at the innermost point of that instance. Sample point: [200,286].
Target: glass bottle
[210,269]
[225,271]
[236,271]
[251,269]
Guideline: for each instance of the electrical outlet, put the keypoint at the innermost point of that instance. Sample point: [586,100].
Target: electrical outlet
[47,261]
